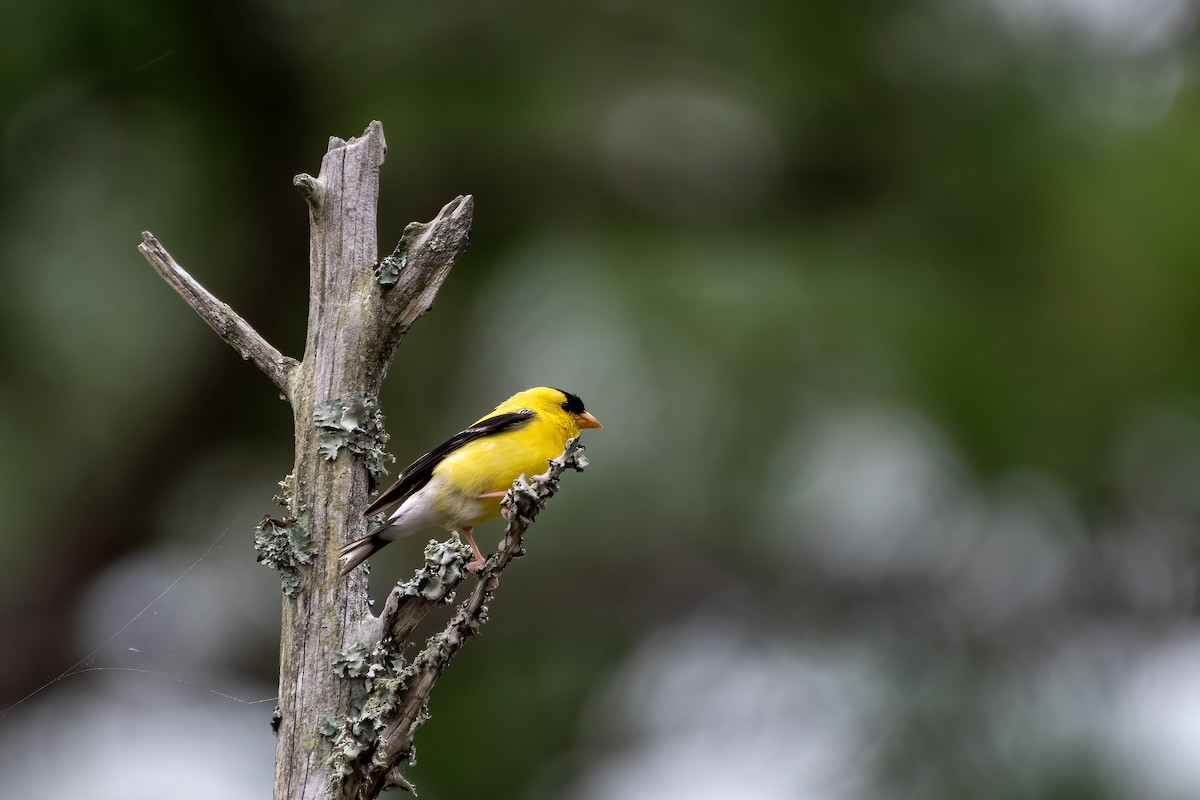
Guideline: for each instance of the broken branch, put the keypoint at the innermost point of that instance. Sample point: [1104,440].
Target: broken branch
[219,316]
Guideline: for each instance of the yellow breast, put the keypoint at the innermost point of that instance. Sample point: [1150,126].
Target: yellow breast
[491,464]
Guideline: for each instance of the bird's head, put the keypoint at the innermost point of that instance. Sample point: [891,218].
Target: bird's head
[556,402]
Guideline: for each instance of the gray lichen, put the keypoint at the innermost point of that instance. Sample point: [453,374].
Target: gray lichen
[383,672]
[355,423]
[527,497]
[443,570]
[287,491]
[284,545]
[357,662]
[350,661]
[387,272]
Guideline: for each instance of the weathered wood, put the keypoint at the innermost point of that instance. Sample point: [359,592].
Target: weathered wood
[219,316]
[354,326]
[349,703]
[328,495]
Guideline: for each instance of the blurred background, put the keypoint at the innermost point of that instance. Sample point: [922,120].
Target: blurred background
[891,311]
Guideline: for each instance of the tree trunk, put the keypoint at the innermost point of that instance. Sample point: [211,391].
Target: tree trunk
[327,497]
[349,702]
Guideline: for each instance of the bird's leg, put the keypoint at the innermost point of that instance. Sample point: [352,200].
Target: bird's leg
[476,562]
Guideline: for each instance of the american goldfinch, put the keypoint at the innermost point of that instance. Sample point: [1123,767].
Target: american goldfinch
[460,483]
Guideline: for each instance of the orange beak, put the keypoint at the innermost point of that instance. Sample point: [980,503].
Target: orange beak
[586,420]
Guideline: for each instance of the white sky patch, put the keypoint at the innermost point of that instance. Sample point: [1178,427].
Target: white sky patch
[1124,26]
[867,491]
[220,606]
[1155,736]
[874,493]
[156,705]
[1126,65]
[709,710]
[124,736]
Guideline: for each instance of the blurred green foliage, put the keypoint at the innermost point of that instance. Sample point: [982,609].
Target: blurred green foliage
[715,222]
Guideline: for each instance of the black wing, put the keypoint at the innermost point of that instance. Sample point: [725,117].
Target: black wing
[418,473]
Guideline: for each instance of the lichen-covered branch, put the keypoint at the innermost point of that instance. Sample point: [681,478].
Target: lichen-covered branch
[376,657]
[219,316]
[432,585]
[379,762]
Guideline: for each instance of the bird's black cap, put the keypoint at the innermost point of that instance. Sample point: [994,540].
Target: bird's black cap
[573,405]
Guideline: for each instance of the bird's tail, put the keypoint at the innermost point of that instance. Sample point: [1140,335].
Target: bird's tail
[360,550]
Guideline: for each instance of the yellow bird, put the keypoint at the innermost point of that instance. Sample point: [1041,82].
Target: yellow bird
[460,483]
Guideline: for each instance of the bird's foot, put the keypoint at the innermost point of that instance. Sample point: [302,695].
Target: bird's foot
[475,566]
[476,563]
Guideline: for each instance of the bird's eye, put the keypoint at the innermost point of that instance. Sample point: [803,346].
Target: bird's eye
[573,404]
